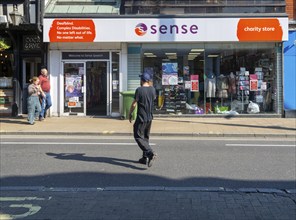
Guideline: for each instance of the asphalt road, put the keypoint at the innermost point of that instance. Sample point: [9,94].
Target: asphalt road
[72,161]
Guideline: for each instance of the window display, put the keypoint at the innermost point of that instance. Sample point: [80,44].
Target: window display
[211,79]
[6,83]
[73,85]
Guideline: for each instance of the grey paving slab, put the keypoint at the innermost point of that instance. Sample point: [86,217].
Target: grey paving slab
[142,205]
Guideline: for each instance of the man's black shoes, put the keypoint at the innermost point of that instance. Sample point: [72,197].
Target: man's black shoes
[148,160]
[151,159]
[143,160]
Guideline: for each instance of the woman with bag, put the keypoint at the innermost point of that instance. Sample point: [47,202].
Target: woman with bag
[34,107]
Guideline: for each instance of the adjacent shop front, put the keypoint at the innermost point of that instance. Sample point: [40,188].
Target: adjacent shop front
[199,65]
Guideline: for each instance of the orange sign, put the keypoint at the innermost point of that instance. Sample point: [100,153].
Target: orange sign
[67,30]
[268,29]
[72,104]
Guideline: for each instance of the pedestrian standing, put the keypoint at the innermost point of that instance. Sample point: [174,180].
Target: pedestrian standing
[45,86]
[34,107]
[144,100]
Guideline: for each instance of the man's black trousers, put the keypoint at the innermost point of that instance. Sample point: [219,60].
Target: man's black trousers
[141,135]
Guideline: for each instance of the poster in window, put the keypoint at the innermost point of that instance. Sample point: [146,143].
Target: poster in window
[170,74]
[169,79]
[194,83]
[263,86]
[194,86]
[253,85]
[170,68]
[73,87]
[188,85]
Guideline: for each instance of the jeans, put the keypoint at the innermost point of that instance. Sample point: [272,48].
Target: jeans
[141,135]
[33,108]
[46,104]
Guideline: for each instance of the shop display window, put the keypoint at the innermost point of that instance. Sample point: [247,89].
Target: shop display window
[73,85]
[212,78]
[6,83]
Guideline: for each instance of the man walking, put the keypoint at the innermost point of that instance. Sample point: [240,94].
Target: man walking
[45,86]
[144,99]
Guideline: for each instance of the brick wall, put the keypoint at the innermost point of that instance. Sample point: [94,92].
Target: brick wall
[291,9]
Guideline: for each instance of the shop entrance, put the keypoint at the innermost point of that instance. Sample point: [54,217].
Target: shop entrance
[31,67]
[91,83]
[96,88]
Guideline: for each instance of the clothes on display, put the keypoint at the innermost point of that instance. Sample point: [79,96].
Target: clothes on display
[211,75]
[222,86]
[210,87]
[212,80]
[222,93]
[232,84]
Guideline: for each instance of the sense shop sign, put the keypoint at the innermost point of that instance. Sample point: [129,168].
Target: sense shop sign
[31,42]
[166,30]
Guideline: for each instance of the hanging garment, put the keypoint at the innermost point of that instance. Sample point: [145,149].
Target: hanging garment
[232,85]
[210,87]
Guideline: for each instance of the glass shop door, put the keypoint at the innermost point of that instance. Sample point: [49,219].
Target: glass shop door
[74,88]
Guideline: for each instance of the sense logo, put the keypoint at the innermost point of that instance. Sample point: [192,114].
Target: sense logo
[141,29]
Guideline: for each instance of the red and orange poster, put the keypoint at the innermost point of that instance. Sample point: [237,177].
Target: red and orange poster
[194,83]
[253,85]
[66,30]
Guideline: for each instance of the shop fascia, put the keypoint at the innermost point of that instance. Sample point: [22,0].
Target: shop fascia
[167,30]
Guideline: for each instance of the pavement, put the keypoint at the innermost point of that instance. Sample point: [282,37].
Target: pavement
[168,204]
[162,126]
[149,203]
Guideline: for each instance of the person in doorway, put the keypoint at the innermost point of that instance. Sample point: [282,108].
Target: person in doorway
[34,107]
[45,86]
[144,100]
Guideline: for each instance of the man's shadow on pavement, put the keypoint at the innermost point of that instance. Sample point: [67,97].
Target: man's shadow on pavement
[8,121]
[109,160]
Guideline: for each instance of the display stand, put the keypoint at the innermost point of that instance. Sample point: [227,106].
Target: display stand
[242,110]
[243,89]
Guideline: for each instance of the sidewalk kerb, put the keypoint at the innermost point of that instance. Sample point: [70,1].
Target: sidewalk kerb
[274,135]
[196,189]
[135,188]
[22,188]
[111,133]
[248,190]
[291,191]
[266,190]
[147,188]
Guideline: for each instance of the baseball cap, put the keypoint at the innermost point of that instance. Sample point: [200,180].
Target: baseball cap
[145,77]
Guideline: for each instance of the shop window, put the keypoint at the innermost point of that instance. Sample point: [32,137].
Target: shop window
[213,79]
[6,60]
[178,78]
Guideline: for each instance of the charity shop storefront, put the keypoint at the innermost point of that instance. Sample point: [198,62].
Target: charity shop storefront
[199,66]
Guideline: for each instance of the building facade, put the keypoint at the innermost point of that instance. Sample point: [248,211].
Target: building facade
[22,52]
[206,57]
[290,63]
